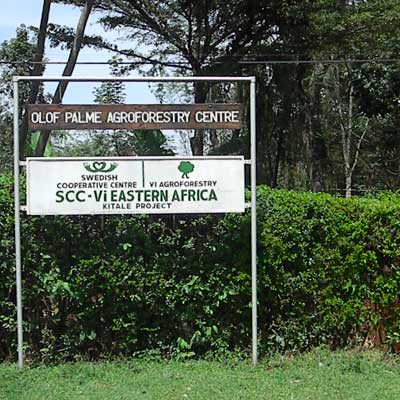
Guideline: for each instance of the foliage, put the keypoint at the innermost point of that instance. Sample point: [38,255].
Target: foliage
[32,143]
[93,286]
[19,49]
[109,143]
[356,29]
[16,50]
[299,140]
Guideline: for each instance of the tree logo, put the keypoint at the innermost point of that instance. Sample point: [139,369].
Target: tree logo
[186,167]
[100,166]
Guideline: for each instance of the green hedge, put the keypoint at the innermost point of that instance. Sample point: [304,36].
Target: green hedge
[328,272]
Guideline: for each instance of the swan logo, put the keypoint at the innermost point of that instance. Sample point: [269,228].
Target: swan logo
[100,166]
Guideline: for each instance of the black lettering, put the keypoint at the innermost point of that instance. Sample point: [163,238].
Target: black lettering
[59,195]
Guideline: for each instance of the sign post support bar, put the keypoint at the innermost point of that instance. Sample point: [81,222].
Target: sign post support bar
[17,221]
[253,220]
[17,164]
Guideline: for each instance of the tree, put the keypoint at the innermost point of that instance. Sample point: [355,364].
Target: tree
[346,119]
[68,70]
[15,55]
[114,142]
[212,37]
[340,94]
[37,69]
[139,142]
[378,91]
[200,37]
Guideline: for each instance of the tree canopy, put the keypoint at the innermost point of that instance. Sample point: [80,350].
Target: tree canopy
[327,78]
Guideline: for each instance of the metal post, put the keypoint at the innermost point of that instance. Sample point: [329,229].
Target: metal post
[253,220]
[17,227]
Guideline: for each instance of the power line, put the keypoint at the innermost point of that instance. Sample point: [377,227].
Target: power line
[182,63]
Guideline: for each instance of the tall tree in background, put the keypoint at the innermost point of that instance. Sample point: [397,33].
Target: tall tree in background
[126,143]
[38,69]
[112,142]
[200,37]
[378,93]
[343,97]
[295,147]
[345,120]
[69,68]
[209,37]
[15,55]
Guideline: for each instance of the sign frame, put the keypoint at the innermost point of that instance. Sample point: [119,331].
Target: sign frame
[135,116]
[251,80]
[224,202]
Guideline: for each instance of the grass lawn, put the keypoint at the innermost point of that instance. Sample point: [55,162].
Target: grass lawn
[317,375]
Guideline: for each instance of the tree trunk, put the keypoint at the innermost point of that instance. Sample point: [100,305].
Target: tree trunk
[36,71]
[349,176]
[347,139]
[197,141]
[68,70]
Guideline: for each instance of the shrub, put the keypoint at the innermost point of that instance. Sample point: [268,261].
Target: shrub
[93,285]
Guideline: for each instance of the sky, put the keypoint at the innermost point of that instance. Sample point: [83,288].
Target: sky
[28,12]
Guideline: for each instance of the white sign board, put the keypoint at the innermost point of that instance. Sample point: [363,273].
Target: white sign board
[134,185]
